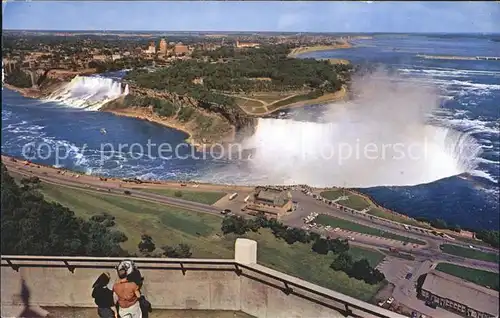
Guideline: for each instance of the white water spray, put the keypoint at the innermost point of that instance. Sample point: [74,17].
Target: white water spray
[89,92]
[383,138]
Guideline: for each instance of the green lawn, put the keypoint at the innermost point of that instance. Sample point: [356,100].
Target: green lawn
[333,194]
[354,201]
[469,253]
[360,203]
[381,213]
[477,276]
[170,225]
[351,226]
[189,195]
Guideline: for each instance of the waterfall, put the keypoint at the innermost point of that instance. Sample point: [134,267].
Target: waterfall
[347,154]
[89,92]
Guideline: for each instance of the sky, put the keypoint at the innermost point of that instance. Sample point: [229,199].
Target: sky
[292,16]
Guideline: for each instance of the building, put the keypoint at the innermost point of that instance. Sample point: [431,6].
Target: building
[246,44]
[273,202]
[100,57]
[163,46]
[151,49]
[181,49]
[459,296]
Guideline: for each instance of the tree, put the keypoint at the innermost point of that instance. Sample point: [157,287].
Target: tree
[30,183]
[234,224]
[320,246]
[360,269]
[146,245]
[32,226]
[490,237]
[338,246]
[180,251]
[343,262]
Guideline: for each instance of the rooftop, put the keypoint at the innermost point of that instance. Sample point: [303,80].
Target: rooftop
[466,293]
[274,196]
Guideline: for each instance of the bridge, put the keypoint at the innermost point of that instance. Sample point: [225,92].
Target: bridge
[239,285]
[34,72]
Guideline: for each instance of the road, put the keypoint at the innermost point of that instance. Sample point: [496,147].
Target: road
[307,204]
[395,269]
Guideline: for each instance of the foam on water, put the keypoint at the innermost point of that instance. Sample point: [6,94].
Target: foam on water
[318,154]
[89,92]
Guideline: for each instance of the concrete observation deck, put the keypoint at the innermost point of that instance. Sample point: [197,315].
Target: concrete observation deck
[238,284]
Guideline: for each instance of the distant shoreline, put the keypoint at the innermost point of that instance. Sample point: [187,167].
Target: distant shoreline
[308,49]
[142,114]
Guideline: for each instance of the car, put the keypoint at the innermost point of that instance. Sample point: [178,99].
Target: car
[408,276]
[390,300]
[381,303]
[414,314]
[431,304]
[225,211]
[350,238]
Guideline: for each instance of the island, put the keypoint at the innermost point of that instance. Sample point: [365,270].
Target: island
[212,91]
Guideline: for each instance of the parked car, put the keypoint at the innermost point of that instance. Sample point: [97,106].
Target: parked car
[431,304]
[225,211]
[390,300]
[408,276]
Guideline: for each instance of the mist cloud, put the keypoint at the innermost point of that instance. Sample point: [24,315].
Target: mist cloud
[382,138]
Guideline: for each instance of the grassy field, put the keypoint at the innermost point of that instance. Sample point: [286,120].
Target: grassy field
[395,217]
[470,240]
[189,195]
[351,226]
[288,100]
[483,278]
[269,97]
[469,253]
[247,103]
[358,202]
[333,194]
[355,202]
[170,225]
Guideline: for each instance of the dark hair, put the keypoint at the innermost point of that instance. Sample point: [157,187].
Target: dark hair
[101,281]
[122,273]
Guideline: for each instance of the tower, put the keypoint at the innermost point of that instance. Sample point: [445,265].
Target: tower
[152,47]
[163,46]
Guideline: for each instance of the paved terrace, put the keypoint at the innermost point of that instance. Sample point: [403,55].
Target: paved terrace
[237,285]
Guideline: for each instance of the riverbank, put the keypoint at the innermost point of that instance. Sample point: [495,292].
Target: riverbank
[337,96]
[16,164]
[146,114]
[26,92]
[308,49]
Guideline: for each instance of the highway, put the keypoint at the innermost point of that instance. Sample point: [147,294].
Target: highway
[307,204]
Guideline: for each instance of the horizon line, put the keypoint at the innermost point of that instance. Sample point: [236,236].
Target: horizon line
[247,31]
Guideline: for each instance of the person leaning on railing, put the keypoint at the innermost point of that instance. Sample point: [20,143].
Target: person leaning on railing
[127,296]
[134,275]
[103,297]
